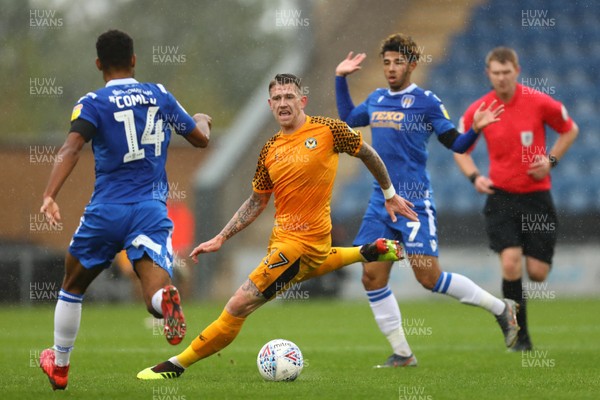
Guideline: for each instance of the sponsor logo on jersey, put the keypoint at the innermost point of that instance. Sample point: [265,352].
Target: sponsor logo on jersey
[76,112]
[395,116]
[387,119]
[310,143]
[526,138]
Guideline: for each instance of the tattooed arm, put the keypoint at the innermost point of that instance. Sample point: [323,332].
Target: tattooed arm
[394,204]
[373,162]
[247,213]
[252,208]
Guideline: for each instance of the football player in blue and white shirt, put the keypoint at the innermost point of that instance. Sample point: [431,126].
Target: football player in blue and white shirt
[402,118]
[130,126]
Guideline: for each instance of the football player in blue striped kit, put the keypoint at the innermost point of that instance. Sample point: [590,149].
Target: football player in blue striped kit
[130,126]
[402,118]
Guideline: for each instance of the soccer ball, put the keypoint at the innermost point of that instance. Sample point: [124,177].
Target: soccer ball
[280,360]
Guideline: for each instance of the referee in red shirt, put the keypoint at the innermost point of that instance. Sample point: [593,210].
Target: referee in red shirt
[519,211]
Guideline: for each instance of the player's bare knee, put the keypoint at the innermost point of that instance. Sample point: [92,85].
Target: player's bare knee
[537,270]
[372,281]
[538,275]
[367,281]
[511,269]
[510,260]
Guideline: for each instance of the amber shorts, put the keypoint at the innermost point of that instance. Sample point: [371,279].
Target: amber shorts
[286,262]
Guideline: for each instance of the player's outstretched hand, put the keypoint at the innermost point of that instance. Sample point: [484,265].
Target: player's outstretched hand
[212,245]
[350,64]
[484,117]
[399,205]
[51,210]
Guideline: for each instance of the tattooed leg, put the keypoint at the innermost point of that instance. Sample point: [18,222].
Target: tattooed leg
[245,300]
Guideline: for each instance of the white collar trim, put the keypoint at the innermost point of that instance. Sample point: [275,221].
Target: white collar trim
[122,81]
[409,89]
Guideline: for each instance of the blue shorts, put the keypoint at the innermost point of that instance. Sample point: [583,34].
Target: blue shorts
[139,228]
[417,237]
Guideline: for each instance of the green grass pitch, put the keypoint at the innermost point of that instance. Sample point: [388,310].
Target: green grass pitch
[460,351]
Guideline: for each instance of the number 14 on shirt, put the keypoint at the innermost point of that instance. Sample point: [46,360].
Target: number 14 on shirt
[153,134]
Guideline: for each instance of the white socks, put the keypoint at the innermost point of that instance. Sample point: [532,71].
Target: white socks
[67,317]
[387,312]
[466,291]
[387,315]
[157,301]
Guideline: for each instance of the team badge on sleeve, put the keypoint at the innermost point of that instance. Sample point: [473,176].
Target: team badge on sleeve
[76,112]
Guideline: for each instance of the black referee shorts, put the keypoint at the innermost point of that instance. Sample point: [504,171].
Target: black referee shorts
[522,220]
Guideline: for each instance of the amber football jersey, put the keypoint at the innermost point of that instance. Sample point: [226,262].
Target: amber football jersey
[299,169]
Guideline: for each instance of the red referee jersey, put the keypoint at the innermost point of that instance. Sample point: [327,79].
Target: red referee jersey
[519,137]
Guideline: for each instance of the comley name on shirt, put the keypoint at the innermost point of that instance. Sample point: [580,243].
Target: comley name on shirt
[132,97]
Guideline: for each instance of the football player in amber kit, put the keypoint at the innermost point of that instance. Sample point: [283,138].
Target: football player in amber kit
[298,166]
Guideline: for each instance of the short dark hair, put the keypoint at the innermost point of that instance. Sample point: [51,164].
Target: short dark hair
[502,55]
[114,49]
[403,44]
[285,79]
